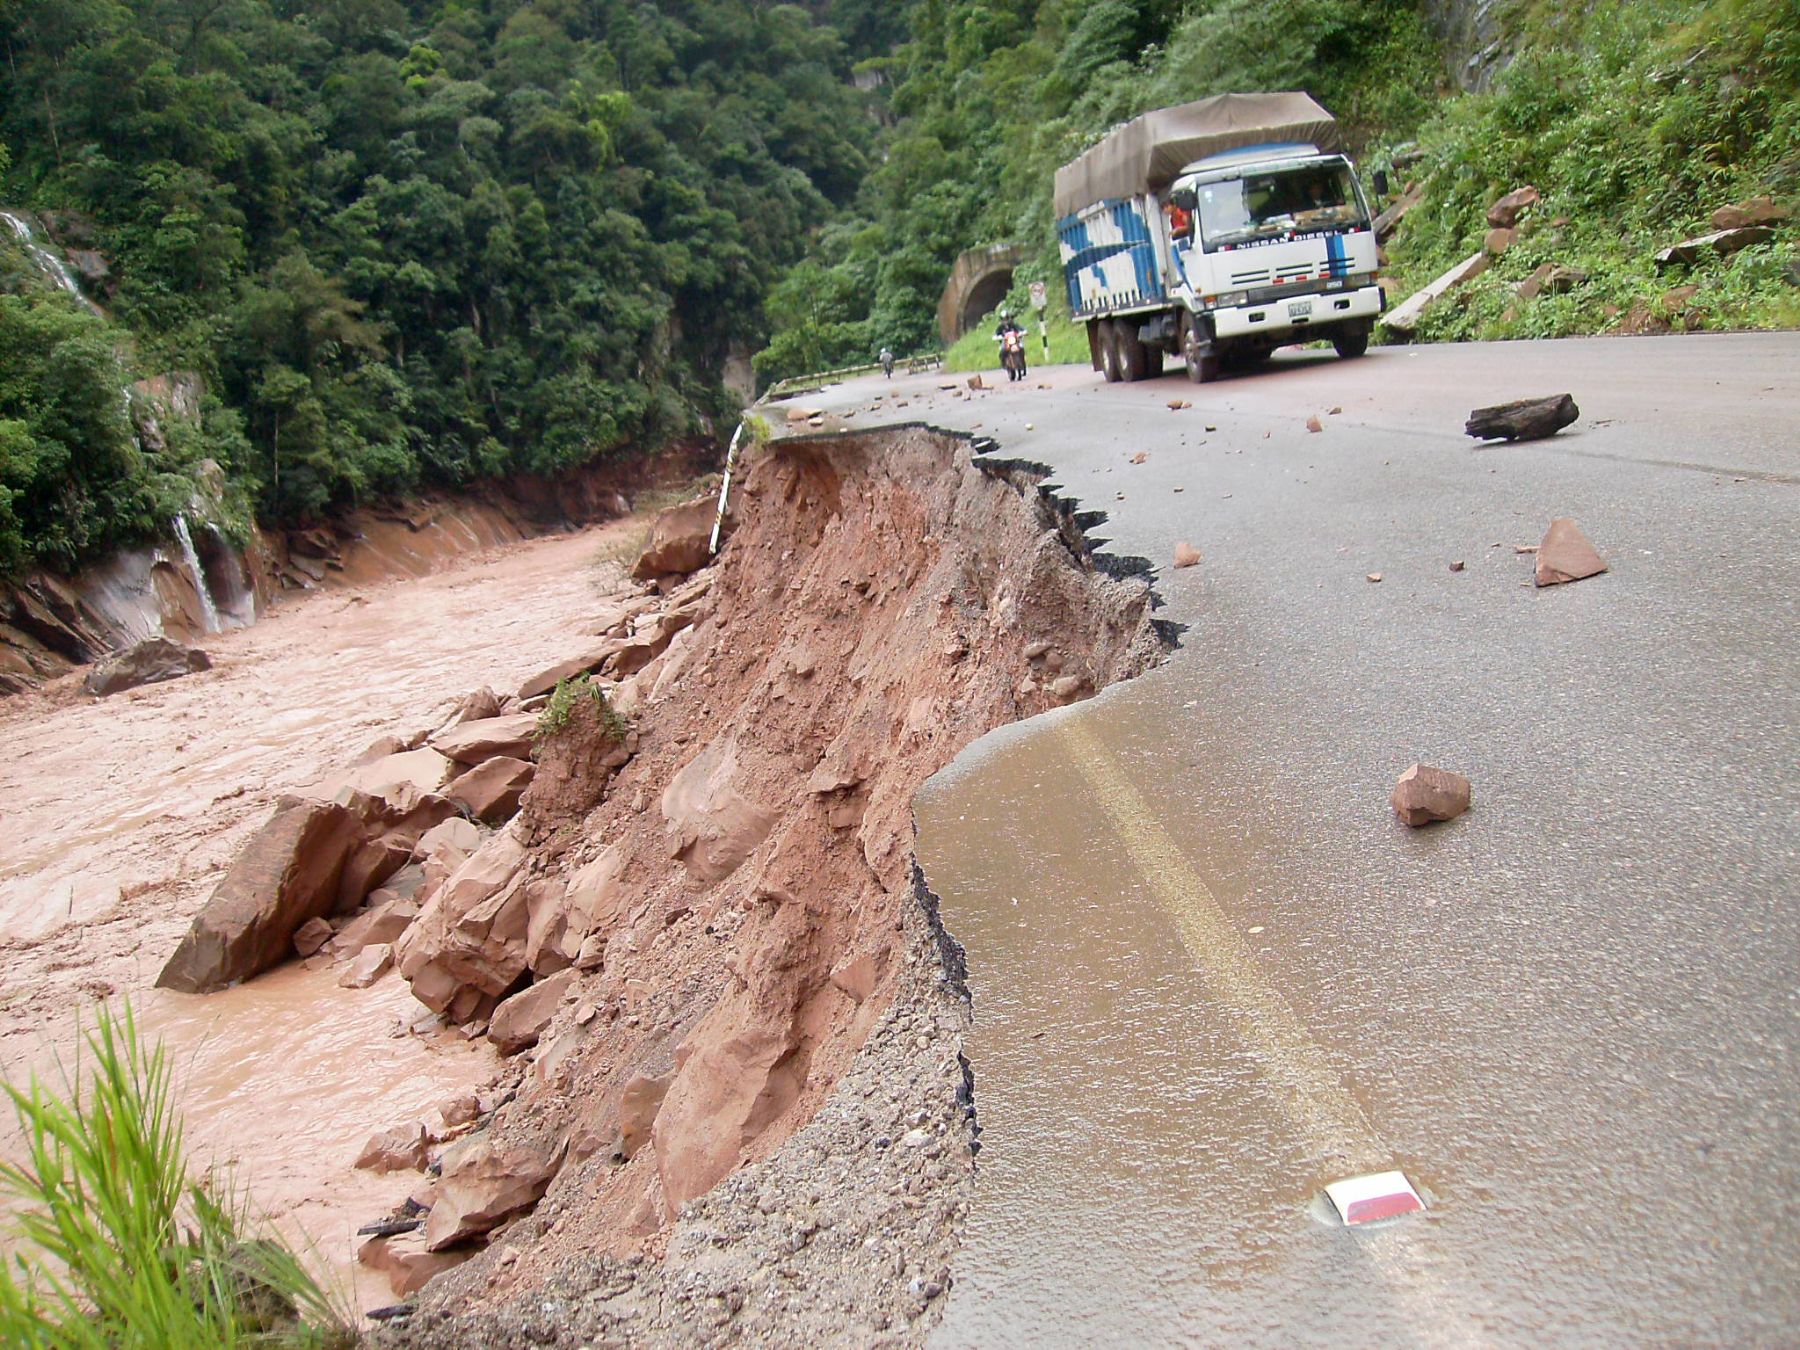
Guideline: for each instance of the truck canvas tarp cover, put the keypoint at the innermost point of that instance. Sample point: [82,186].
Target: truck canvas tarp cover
[1148,152]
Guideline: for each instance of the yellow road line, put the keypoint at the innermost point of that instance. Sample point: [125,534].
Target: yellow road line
[1310,1092]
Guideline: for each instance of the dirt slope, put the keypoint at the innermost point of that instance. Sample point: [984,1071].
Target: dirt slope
[771,963]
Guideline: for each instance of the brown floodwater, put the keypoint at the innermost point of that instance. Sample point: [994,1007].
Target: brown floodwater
[117,817]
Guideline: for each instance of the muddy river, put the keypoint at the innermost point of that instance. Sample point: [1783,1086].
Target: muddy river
[118,816]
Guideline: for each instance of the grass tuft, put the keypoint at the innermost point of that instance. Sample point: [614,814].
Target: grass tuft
[121,1247]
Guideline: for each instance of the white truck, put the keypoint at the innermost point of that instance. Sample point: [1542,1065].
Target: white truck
[1218,229]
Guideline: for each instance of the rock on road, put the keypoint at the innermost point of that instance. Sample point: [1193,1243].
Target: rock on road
[1213,972]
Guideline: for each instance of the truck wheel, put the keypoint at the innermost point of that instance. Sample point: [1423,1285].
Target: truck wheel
[1351,342]
[1202,363]
[1131,351]
[1109,353]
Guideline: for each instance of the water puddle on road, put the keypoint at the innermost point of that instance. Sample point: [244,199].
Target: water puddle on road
[1142,1175]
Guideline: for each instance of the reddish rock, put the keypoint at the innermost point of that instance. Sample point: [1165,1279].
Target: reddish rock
[481,1187]
[1748,214]
[857,977]
[520,1020]
[405,1262]
[713,826]
[473,742]
[287,873]
[403,1148]
[424,770]
[1505,213]
[1549,279]
[467,947]
[546,680]
[1314,424]
[1497,241]
[479,706]
[372,962]
[639,1105]
[150,662]
[310,936]
[491,790]
[1566,555]
[680,540]
[380,923]
[1186,555]
[1425,794]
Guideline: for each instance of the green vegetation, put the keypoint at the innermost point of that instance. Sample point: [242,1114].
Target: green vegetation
[977,350]
[1635,122]
[566,702]
[121,1247]
[405,241]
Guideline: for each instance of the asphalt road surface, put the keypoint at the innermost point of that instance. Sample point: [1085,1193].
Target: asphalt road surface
[1213,973]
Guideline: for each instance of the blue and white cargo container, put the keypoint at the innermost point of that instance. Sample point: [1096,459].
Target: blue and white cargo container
[1224,227]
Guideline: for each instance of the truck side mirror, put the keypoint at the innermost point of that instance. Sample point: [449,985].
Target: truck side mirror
[1381,183]
[1184,198]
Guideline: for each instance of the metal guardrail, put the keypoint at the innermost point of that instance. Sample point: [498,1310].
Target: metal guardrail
[912,365]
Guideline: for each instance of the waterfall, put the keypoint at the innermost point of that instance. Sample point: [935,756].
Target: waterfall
[48,263]
[208,610]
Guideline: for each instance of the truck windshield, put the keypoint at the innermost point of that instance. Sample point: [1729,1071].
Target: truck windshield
[1267,205]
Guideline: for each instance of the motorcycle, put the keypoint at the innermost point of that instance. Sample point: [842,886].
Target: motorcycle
[1012,353]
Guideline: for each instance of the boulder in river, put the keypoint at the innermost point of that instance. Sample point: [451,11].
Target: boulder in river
[150,662]
[288,873]
[403,1259]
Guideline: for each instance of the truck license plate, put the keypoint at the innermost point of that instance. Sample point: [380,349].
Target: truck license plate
[1300,309]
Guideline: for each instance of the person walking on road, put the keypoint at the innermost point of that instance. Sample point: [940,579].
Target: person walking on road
[887,362]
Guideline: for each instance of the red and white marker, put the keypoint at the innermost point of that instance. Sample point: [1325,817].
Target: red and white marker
[1379,1195]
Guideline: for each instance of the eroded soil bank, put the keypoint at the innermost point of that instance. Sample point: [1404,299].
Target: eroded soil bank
[772,971]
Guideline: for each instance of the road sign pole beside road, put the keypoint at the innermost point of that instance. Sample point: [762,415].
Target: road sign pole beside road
[1040,301]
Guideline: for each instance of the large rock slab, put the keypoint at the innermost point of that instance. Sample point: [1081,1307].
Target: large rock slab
[1505,213]
[520,1020]
[546,680]
[713,826]
[467,947]
[591,905]
[406,1263]
[680,540]
[473,742]
[289,872]
[482,1186]
[1566,555]
[1722,242]
[1404,317]
[491,790]
[150,662]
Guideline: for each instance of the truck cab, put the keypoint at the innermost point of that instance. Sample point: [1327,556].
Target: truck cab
[1271,245]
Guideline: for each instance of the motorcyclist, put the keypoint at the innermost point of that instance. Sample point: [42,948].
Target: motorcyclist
[1013,349]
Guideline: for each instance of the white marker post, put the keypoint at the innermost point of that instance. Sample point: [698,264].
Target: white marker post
[725,490]
[1040,301]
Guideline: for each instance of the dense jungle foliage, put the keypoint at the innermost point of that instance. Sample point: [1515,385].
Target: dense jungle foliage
[429,241]
[405,241]
[1634,119]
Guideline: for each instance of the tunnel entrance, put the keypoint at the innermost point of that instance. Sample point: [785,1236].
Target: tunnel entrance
[986,294]
[977,282]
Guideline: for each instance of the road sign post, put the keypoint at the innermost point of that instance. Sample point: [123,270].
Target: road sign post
[1040,301]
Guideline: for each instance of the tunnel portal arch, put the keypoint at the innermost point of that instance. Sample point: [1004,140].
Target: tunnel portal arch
[977,283]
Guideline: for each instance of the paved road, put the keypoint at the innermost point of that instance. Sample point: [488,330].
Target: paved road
[1213,973]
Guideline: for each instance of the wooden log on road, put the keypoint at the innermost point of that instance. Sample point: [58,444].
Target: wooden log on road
[1529,419]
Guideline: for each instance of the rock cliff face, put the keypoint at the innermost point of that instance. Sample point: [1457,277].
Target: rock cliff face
[1479,37]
